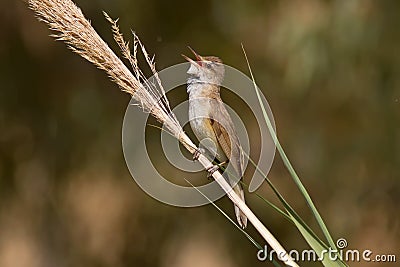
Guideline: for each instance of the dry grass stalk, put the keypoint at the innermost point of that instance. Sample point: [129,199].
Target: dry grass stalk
[70,25]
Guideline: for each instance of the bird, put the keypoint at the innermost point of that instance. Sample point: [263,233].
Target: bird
[210,120]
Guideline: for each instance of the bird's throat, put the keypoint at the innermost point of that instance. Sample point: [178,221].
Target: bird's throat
[197,88]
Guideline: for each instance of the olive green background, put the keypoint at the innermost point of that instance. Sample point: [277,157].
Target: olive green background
[329,69]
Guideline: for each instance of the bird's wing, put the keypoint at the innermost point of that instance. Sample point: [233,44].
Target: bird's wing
[225,135]
[222,137]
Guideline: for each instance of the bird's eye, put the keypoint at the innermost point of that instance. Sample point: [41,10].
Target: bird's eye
[208,65]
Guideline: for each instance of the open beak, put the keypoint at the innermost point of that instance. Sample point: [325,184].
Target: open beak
[189,59]
[199,58]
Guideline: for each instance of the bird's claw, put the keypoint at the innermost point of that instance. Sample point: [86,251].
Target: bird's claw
[215,168]
[211,170]
[197,153]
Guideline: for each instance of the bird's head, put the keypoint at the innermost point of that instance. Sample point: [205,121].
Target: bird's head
[207,69]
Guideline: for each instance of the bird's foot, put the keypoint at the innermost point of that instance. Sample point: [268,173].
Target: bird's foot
[215,168]
[211,170]
[197,153]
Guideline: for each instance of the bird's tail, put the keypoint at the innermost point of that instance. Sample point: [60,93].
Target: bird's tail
[241,218]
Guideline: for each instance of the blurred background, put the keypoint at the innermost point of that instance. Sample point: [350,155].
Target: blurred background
[329,69]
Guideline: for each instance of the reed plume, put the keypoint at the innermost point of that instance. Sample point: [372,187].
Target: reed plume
[71,27]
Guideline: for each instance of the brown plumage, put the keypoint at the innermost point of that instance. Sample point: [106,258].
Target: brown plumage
[210,119]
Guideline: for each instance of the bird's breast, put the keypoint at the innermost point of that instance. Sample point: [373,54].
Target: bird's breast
[200,110]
